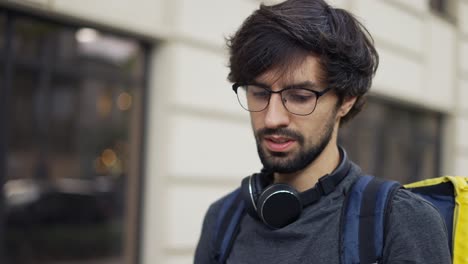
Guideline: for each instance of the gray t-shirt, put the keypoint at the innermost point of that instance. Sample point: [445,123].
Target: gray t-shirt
[416,233]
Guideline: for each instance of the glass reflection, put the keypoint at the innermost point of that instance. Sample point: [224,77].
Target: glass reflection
[69,139]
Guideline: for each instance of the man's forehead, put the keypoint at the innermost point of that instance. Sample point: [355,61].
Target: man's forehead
[307,70]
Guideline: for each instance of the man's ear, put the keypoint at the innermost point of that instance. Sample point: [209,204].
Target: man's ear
[346,106]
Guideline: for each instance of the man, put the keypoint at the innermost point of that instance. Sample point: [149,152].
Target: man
[301,68]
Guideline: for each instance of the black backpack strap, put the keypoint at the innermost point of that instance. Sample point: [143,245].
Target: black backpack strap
[363,220]
[227,226]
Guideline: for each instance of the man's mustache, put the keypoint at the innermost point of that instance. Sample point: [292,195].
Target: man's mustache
[284,132]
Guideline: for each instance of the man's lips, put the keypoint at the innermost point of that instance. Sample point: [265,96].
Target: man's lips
[278,143]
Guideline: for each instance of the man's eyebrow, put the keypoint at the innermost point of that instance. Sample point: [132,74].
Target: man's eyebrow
[305,84]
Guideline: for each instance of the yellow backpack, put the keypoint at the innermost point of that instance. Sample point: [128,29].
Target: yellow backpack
[450,195]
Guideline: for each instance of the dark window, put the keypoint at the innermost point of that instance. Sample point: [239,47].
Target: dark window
[72,98]
[439,6]
[393,141]
[443,8]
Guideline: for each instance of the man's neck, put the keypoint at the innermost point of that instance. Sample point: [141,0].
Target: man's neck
[305,179]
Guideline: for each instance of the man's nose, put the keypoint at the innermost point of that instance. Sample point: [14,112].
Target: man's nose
[277,115]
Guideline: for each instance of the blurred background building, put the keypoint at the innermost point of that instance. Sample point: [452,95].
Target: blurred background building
[118,127]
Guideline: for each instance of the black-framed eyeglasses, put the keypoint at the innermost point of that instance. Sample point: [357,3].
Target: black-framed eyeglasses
[298,101]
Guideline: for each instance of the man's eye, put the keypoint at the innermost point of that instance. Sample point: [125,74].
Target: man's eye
[260,94]
[296,98]
[300,97]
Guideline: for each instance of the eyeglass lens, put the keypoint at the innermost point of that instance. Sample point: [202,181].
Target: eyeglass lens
[297,100]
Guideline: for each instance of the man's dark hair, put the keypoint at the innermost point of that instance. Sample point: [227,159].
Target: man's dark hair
[283,35]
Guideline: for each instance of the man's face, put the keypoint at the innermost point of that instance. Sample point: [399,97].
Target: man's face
[288,143]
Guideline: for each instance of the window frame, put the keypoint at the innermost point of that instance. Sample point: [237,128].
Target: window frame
[379,129]
[134,186]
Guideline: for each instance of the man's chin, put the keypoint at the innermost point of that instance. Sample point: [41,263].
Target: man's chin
[279,164]
[280,168]
[285,162]
[278,154]
[282,162]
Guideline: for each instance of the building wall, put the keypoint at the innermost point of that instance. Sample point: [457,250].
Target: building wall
[461,79]
[199,142]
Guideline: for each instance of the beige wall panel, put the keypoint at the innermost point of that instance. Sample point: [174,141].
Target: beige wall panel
[211,20]
[463,96]
[461,166]
[463,16]
[391,24]
[416,5]
[154,200]
[187,207]
[461,127]
[398,76]
[463,60]
[269,2]
[211,148]
[334,3]
[178,260]
[339,3]
[202,80]
[440,79]
[142,16]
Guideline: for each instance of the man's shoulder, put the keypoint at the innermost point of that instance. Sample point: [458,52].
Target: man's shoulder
[229,199]
[416,231]
[212,215]
[407,205]
[404,198]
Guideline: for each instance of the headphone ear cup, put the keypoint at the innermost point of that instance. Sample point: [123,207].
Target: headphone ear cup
[279,205]
[250,195]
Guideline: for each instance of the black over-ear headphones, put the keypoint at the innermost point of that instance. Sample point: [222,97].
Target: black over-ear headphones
[278,205]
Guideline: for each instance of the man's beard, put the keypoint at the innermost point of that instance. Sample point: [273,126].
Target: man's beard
[285,162]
